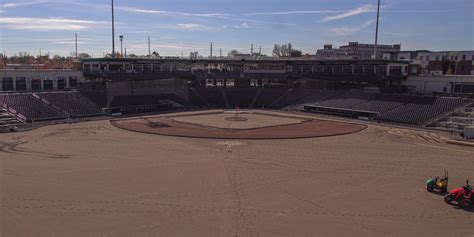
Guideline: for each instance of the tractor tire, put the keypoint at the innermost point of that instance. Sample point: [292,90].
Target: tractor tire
[448,198]
[429,188]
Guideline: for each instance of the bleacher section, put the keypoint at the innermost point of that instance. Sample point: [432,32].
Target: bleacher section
[346,100]
[99,98]
[394,108]
[70,103]
[457,120]
[422,109]
[383,103]
[31,107]
[7,119]
[384,107]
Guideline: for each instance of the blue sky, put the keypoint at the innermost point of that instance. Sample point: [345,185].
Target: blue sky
[190,25]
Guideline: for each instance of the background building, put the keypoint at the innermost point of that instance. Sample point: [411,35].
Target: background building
[355,50]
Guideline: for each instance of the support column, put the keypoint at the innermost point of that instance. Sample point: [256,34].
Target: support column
[28,84]
[67,82]
[14,83]
[55,84]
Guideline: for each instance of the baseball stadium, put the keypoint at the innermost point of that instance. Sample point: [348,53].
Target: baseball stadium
[232,148]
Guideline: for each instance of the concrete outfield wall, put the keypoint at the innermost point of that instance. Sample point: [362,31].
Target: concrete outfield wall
[147,87]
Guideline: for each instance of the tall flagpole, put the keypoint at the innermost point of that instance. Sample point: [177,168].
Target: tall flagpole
[113,31]
[377,30]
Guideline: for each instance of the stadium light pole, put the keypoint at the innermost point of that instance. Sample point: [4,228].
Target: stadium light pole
[149,47]
[76,45]
[121,46]
[377,30]
[113,31]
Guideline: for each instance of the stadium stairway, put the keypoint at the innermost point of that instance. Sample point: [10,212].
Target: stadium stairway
[197,100]
[8,119]
[224,96]
[254,100]
[280,98]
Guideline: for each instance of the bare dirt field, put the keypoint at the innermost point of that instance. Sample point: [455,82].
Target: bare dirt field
[257,125]
[94,179]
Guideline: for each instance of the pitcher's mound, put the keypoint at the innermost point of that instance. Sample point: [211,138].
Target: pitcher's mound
[218,124]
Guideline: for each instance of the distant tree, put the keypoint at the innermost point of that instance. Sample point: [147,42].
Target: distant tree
[286,50]
[277,51]
[155,54]
[233,52]
[296,53]
[83,55]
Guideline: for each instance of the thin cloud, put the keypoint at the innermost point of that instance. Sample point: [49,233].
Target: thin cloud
[291,13]
[45,24]
[242,26]
[186,27]
[354,12]
[223,16]
[21,4]
[351,30]
[139,10]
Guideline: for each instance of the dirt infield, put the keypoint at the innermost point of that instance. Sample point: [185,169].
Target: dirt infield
[94,179]
[214,125]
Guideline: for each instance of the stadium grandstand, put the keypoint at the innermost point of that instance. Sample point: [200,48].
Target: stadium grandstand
[364,89]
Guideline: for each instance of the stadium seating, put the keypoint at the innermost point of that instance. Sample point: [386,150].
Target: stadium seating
[7,119]
[70,103]
[346,100]
[383,103]
[98,98]
[31,107]
[422,109]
